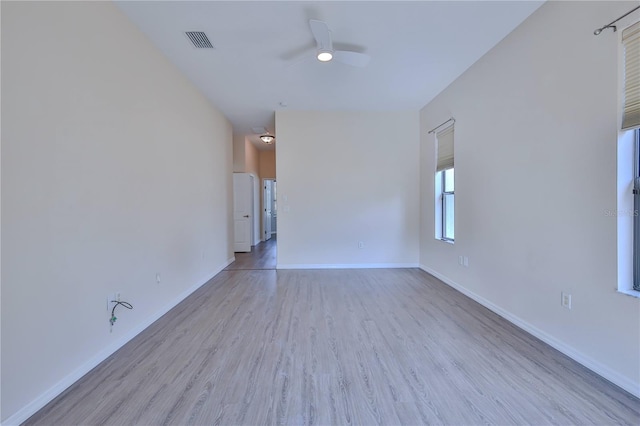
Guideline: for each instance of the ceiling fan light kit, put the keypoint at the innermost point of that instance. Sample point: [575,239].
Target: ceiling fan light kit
[325,51]
[324,55]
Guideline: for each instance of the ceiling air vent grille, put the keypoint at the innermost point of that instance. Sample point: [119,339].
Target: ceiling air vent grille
[199,39]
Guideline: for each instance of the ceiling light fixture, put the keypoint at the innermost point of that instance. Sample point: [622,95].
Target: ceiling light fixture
[325,55]
[268,139]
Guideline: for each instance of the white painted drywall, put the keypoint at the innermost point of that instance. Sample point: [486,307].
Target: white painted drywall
[345,177]
[535,154]
[252,158]
[239,161]
[268,164]
[114,168]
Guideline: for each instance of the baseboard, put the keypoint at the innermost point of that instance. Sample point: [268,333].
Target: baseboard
[30,409]
[593,365]
[344,265]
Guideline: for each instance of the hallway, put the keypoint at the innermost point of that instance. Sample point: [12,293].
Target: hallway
[262,256]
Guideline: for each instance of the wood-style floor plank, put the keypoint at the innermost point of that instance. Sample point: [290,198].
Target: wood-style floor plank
[360,347]
[262,256]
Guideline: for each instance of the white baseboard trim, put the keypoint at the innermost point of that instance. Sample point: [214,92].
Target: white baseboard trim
[30,409]
[593,365]
[344,265]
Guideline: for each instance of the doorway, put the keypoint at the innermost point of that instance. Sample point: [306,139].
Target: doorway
[269,209]
[248,223]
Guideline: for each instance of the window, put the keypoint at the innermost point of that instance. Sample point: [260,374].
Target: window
[444,187]
[628,208]
[448,204]
[635,211]
[630,120]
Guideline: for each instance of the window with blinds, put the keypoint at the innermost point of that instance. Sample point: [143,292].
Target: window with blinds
[444,144]
[445,194]
[631,49]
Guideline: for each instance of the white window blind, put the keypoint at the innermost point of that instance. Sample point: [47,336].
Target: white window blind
[631,46]
[444,144]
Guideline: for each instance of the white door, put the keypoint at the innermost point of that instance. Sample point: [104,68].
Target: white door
[242,206]
[266,199]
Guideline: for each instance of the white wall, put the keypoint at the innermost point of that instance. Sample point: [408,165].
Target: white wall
[347,177]
[252,158]
[535,150]
[246,157]
[114,168]
[268,164]
[239,160]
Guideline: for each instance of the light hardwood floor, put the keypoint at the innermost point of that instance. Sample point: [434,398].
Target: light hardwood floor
[337,347]
[262,256]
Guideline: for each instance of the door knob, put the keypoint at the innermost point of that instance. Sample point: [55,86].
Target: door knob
[246,215]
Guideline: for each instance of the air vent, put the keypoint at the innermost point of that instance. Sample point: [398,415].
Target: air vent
[199,39]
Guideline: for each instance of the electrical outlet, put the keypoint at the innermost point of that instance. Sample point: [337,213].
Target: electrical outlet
[566,300]
[158,277]
[460,261]
[360,244]
[466,261]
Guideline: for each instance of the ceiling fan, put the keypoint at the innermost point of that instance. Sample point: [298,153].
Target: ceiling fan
[325,51]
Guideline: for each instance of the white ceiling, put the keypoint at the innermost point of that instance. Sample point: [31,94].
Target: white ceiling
[417,49]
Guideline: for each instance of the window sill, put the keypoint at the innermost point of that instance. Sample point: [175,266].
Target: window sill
[632,293]
[445,241]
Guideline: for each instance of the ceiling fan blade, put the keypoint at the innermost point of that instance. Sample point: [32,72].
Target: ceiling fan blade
[355,59]
[299,51]
[321,33]
[307,57]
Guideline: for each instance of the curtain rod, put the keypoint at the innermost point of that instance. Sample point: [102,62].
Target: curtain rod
[440,125]
[610,25]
